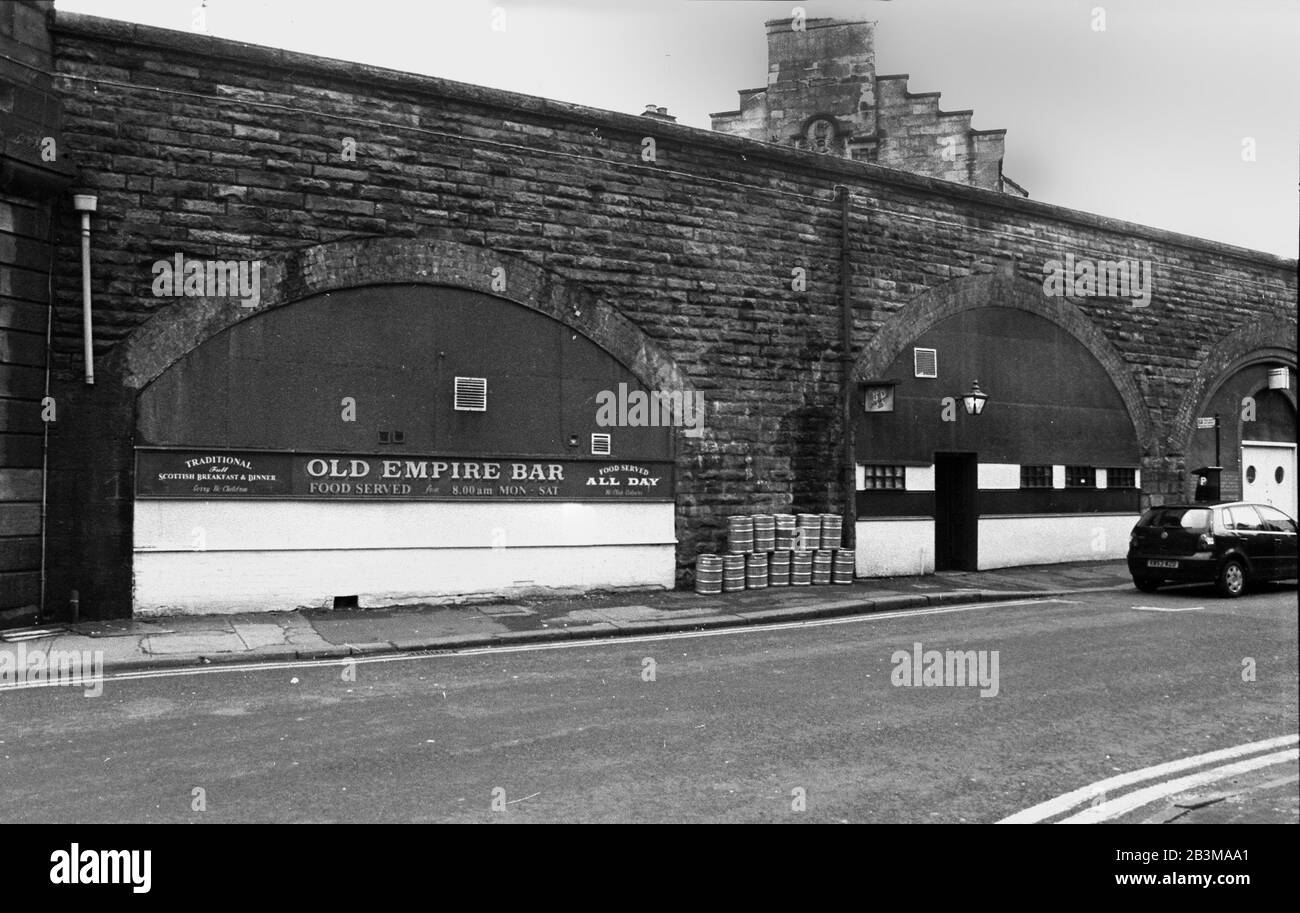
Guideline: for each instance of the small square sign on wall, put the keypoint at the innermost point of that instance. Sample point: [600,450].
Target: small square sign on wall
[878,397]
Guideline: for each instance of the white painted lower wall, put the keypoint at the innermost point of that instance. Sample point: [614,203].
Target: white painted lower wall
[1053,538]
[223,556]
[889,547]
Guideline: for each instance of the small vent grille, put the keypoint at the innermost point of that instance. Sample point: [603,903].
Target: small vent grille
[471,394]
[926,362]
[600,445]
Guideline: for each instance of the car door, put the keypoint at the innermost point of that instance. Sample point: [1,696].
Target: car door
[1283,531]
[1256,543]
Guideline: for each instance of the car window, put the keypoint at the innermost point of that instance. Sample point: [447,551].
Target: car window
[1242,518]
[1274,519]
[1193,518]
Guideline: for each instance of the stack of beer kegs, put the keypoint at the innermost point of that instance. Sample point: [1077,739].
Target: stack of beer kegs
[777,550]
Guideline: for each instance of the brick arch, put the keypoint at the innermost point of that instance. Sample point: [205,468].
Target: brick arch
[1001,289]
[176,330]
[1255,342]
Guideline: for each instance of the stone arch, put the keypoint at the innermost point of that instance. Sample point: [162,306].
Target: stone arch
[290,276]
[96,551]
[1251,344]
[1001,289]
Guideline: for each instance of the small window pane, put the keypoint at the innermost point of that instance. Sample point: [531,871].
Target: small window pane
[1080,477]
[1121,478]
[883,478]
[1035,476]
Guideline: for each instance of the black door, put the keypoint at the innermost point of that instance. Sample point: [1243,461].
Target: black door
[956,512]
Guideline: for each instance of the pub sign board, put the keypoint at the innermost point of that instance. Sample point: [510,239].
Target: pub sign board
[235,475]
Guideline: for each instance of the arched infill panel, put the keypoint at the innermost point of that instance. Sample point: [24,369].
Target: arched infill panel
[1048,471]
[394,444]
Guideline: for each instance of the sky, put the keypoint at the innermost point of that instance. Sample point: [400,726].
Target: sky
[1180,114]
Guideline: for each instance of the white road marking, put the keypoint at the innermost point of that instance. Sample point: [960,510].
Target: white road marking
[1064,803]
[1155,608]
[616,640]
[1130,801]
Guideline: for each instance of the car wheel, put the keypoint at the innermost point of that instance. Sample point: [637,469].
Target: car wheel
[1146,584]
[1232,579]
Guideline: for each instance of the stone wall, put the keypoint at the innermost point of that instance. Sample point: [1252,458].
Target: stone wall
[222,150]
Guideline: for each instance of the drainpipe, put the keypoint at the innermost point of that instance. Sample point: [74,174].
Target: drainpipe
[51,213]
[85,203]
[846,371]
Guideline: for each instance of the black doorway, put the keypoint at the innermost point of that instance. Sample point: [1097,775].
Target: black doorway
[956,512]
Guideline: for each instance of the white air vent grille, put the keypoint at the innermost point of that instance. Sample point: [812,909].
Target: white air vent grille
[600,445]
[926,362]
[471,394]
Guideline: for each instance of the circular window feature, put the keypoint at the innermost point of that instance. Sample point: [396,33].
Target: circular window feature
[1278,475]
[1250,474]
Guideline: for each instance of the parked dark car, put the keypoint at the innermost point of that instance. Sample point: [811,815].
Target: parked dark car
[1232,545]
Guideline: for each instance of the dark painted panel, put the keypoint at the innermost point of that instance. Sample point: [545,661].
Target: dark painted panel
[1059,501]
[1049,401]
[895,504]
[277,381]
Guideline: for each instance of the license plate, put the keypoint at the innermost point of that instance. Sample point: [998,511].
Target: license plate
[1154,563]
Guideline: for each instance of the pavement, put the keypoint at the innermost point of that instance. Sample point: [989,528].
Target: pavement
[187,640]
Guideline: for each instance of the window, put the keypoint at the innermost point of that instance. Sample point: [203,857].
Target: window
[1035,476]
[1190,518]
[883,478]
[926,362]
[1274,520]
[1242,519]
[1121,478]
[471,394]
[1080,477]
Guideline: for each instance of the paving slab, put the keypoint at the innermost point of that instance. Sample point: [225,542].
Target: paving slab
[199,644]
[258,635]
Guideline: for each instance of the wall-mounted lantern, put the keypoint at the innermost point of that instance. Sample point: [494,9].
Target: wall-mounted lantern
[974,400]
